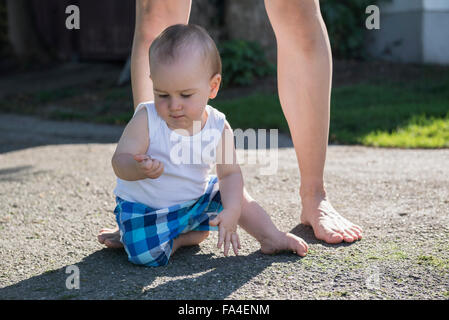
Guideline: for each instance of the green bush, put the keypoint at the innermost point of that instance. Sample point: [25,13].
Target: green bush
[242,62]
[345,22]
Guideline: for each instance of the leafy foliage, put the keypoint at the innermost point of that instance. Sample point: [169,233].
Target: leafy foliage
[345,22]
[242,62]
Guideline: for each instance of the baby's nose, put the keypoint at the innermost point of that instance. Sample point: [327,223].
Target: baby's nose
[174,105]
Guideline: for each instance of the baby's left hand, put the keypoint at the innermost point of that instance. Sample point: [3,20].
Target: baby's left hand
[227,230]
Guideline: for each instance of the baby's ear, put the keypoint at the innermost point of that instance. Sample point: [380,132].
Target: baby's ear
[215,85]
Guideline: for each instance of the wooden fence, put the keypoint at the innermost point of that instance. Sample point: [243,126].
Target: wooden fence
[106,28]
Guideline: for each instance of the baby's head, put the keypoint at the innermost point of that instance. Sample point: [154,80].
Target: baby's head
[186,72]
[185,43]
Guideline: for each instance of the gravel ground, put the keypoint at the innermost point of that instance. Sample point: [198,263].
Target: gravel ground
[56,187]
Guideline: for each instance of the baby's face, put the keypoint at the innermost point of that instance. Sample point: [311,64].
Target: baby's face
[181,92]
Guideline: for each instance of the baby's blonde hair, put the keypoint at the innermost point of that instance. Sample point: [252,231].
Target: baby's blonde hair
[171,43]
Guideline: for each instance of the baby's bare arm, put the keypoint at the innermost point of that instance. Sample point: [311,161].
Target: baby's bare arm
[231,192]
[228,172]
[134,141]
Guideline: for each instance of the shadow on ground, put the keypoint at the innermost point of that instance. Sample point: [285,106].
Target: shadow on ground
[20,173]
[106,274]
[20,132]
[306,233]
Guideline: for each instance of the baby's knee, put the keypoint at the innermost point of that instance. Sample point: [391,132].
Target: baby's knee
[149,251]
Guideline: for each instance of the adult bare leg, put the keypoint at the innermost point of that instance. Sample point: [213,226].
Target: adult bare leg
[152,17]
[304,84]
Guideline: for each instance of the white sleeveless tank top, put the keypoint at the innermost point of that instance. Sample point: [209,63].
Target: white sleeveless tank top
[187,161]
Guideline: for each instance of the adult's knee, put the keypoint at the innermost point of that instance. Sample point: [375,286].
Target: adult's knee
[292,11]
[296,21]
[153,16]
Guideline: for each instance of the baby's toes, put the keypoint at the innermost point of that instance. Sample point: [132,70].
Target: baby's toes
[100,238]
[297,245]
[301,250]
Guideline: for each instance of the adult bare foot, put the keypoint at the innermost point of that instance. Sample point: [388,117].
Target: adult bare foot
[284,242]
[110,238]
[328,225]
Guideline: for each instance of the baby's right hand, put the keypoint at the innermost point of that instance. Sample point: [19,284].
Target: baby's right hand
[151,168]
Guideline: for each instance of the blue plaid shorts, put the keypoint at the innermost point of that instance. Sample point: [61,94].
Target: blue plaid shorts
[147,233]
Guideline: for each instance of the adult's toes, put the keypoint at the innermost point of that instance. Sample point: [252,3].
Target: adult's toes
[356,232]
[352,233]
[348,239]
[333,238]
[329,233]
[356,227]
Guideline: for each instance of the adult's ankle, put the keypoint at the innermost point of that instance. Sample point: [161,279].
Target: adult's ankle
[315,191]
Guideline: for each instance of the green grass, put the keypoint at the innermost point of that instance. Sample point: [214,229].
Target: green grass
[45,96]
[254,111]
[436,262]
[420,132]
[341,293]
[411,115]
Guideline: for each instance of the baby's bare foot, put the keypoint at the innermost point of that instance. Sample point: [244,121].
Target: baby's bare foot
[110,238]
[328,225]
[284,242]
